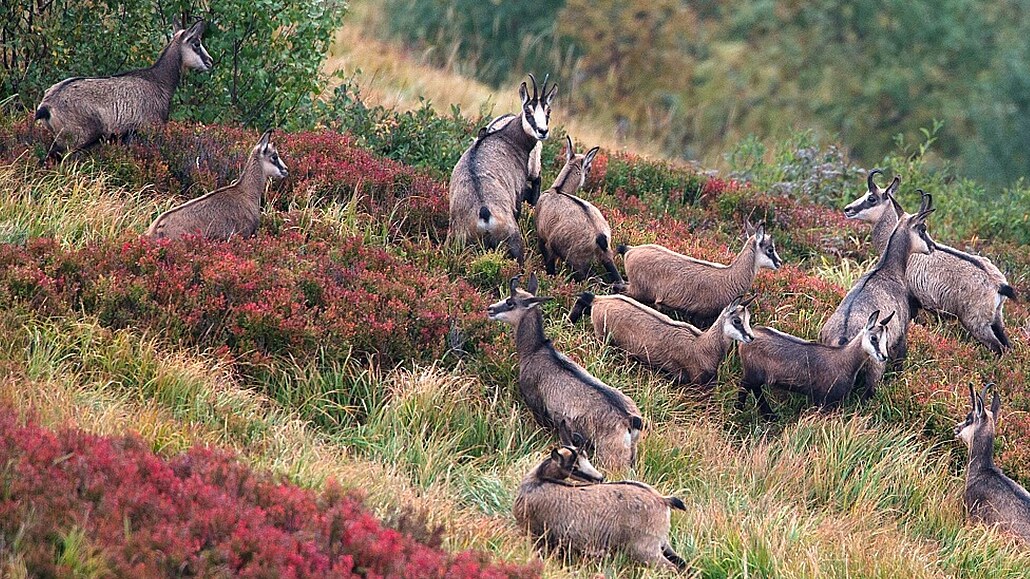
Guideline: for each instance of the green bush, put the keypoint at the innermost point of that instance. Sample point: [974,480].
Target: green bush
[267,54]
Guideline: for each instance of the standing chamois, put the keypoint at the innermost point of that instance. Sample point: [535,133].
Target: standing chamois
[564,504]
[699,289]
[884,288]
[488,184]
[82,111]
[535,167]
[570,228]
[685,353]
[991,497]
[232,210]
[560,393]
[948,281]
[826,374]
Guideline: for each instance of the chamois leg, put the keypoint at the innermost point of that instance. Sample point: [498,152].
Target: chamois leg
[753,384]
[990,334]
[869,377]
[516,250]
[614,277]
[651,553]
[674,557]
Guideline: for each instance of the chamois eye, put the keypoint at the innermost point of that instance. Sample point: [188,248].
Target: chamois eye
[736,322]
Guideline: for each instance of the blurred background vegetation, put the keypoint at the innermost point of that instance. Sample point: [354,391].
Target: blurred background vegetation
[699,77]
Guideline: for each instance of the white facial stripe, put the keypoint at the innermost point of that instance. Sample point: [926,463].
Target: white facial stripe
[584,466]
[540,117]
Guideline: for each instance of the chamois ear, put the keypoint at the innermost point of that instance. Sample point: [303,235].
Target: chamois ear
[887,320]
[995,404]
[749,300]
[589,158]
[872,320]
[892,189]
[524,93]
[578,441]
[898,209]
[749,229]
[532,286]
[551,94]
[568,149]
[972,395]
[926,206]
[760,232]
[197,29]
[482,133]
[733,304]
[556,456]
[265,137]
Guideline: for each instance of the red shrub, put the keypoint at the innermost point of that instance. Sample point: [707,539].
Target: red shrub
[200,514]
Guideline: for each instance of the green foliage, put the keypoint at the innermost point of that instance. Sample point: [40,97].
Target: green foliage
[267,54]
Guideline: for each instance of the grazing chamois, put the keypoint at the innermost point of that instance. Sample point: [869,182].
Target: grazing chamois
[82,111]
[686,354]
[560,393]
[231,210]
[488,184]
[991,497]
[884,288]
[948,281]
[570,228]
[699,289]
[826,374]
[564,504]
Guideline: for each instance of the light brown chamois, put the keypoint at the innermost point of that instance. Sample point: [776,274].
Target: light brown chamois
[686,354]
[826,374]
[699,289]
[560,393]
[231,210]
[563,504]
[884,288]
[991,498]
[570,228]
[82,111]
[488,184]
[948,281]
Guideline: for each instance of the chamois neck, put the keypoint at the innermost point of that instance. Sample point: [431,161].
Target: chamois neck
[714,340]
[895,256]
[981,452]
[252,180]
[516,135]
[742,271]
[883,228]
[529,333]
[855,351]
[168,68]
[568,180]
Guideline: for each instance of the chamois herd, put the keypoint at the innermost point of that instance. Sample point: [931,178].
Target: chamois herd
[564,501]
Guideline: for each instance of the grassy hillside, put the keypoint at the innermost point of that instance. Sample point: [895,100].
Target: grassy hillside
[328,348]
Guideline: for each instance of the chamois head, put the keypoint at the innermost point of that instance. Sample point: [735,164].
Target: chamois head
[915,225]
[736,320]
[577,166]
[268,158]
[874,336]
[980,421]
[519,301]
[568,462]
[765,249]
[871,206]
[536,110]
[194,55]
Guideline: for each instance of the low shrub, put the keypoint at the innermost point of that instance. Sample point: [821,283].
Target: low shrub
[72,501]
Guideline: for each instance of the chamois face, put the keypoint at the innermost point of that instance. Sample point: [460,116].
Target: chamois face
[511,309]
[736,321]
[874,337]
[571,463]
[870,207]
[579,164]
[268,157]
[765,250]
[979,420]
[194,55]
[536,110]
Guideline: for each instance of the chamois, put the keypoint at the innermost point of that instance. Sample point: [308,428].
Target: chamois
[699,289]
[884,288]
[991,497]
[948,281]
[826,374]
[560,393]
[570,228]
[685,353]
[231,210]
[82,111]
[563,503]
[535,167]
[489,181]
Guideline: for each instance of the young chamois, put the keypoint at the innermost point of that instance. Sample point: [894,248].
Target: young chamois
[826,374]
[82,111]
[948,281]
[535,167]
[991,497]
[488,184]
[560,393]
[232,210]
[563,503]
[685,353]
[884,288]
[699,289]
[570,228]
